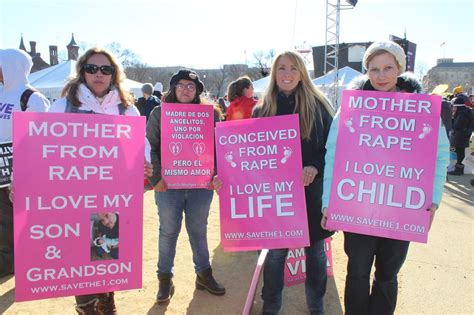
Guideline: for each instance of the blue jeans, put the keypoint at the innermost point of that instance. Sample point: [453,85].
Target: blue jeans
[113,252]
[315,284]
[389,255]
[195,204]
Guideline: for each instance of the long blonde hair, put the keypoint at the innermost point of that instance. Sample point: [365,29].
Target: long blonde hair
[118,78]
[309,99]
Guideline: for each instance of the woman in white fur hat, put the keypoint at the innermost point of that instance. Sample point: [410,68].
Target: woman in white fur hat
[385,63]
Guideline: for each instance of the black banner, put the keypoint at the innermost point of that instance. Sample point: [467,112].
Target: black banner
[6,158]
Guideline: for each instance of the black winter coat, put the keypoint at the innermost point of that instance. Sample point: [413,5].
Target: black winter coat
[145,106]
[461,132]
[312,152]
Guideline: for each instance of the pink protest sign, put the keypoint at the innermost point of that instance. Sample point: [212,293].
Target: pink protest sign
[262,201]
[384,164]
[78,203]
[295,264]
[187,145]
[295,267]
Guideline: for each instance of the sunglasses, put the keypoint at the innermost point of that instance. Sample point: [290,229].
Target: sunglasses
[92,69]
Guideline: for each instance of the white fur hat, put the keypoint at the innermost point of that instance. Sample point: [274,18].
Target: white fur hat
[389,46]
[158,87]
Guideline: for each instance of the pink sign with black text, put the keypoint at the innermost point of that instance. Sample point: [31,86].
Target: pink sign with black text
[78,203]
[384,164]
[187,145]
[262,201]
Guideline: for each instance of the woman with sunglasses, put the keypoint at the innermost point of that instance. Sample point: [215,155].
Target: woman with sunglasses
[97,88]
[185,88]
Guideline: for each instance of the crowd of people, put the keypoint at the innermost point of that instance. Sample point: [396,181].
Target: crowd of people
[98,87]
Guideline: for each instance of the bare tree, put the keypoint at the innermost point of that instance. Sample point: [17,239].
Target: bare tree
[263,61]
[217,80]
[421,69]
[127,57]
[214,81]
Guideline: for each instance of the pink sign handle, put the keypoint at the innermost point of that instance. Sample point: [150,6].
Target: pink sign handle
[254,282]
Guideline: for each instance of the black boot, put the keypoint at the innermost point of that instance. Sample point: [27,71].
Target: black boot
[458,170]
[205,281]
[166,288]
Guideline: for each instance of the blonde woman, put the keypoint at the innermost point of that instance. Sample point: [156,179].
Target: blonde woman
[291,91]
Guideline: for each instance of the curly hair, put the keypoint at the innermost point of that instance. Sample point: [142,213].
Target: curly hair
[118,78]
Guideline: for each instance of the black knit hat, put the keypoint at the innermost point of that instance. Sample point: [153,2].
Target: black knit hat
[188,75]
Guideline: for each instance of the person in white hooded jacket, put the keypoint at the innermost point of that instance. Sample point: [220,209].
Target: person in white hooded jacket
[15,66]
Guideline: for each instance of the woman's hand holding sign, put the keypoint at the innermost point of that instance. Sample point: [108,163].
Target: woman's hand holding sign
[216,183]
[324,219]
[148,171]
[309,174]
[432,209]
[161,186]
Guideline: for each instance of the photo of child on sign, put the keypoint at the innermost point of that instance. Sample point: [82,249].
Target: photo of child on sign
[105,235]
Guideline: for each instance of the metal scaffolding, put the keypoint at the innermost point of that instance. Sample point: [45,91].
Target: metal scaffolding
[331,50]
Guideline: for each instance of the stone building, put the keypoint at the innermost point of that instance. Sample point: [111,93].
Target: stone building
[452,73]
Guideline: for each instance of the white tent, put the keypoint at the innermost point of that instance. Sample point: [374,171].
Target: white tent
[327,83]
[260,85]
[50,81]
[345,76]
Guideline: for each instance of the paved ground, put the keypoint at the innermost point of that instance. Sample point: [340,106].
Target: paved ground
[437,277]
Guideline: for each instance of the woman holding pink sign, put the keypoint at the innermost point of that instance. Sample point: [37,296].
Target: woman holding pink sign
[97,88]
[385,63]
[290,91]
[185,88]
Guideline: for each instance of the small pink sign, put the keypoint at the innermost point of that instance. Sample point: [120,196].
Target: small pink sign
[384,164]
[262,201]
[295,264]
[295,267]
[187,145]
[78,203]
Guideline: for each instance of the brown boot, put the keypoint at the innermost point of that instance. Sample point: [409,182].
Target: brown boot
[88,308]
[106,305]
